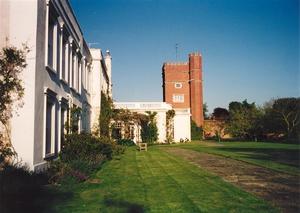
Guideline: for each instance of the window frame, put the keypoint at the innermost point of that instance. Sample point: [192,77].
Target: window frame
[50,100]
[178,83]
[176,98]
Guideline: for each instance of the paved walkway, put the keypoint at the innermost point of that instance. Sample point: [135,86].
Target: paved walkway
[283,190]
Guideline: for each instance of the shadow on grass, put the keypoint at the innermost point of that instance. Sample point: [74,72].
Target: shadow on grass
[126,206]
[25,191]
[284,156]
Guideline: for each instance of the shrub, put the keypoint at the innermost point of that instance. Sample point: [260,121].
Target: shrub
[82,154]
[196,132]
[126,142]
[6,153]
[86,147]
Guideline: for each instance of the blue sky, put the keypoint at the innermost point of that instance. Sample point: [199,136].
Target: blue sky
[250,48]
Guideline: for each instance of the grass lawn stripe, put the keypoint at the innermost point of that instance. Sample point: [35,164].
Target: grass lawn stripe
[155,181]
[257,153]
[217,189]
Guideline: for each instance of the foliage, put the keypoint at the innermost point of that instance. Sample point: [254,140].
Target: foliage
[85,147]
[149,131]
[75,113]
[244,120]
[283,116]
[170,125]
[6,152]
[106,115]
[220,113]
[12,63]
[81,154]
[126,142]
[125,117]
[196,132]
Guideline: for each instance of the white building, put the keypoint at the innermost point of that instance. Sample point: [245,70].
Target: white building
[181,120]
[58,75]
[101,82]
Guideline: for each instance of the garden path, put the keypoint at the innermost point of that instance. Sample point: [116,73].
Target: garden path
[283,190]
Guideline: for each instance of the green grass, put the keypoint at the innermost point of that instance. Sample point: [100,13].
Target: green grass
[155,181]
[277,156]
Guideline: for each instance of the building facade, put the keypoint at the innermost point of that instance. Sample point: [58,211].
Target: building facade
[101,83]
[182,86]
[180,122]
[57,78]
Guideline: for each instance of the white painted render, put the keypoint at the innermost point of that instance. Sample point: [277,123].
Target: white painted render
[22,124]
[27,22]
[96,87]
[182,124]
[181,119]
[100,82]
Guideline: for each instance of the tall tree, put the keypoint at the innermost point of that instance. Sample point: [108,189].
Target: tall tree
[244,120]
[220,113]
[283,116]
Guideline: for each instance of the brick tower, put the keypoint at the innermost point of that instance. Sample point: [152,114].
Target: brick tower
[182,86]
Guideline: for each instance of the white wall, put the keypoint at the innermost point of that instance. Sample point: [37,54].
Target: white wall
[182,125]
[95,87]
[22,18]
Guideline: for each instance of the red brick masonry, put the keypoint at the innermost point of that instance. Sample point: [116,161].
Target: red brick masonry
[182,86]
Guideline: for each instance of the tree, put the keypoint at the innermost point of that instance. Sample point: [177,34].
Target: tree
[220,113]
[12,63]
[283,116]
[244,120]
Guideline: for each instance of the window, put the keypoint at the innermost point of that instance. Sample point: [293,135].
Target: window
[178,98]
[50,124]
[78,75]
[64,117]
[64,66]
[57,48]
[51,43]
[178,85]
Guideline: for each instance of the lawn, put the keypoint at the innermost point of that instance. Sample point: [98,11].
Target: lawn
[277,156]
[155,181]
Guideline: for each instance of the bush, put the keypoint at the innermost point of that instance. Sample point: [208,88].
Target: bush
[6,153]
[86,147]
[82,154]
[196,132]
[126,142]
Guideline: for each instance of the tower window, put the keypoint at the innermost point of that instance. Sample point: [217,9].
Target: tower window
[178,98]
[178,85]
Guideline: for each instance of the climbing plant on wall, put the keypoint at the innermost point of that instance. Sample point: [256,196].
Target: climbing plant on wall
[170,126]
[106,114]
[149,128]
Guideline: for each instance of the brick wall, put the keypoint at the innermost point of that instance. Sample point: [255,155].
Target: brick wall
[185,80]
